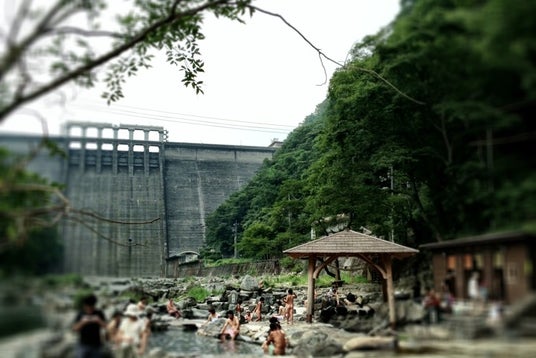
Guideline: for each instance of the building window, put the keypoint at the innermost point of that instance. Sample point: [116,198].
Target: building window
[478,262]
[498,260]
[468,262]
[451,262]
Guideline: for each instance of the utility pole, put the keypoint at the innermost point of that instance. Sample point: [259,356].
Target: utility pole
[235,234]
[392,174]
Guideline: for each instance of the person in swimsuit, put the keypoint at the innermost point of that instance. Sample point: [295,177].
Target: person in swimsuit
[231,327]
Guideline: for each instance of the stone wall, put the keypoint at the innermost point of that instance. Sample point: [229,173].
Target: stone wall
[267,267]
[198,178]
[156,193]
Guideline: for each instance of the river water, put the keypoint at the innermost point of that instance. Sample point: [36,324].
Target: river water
[189,343]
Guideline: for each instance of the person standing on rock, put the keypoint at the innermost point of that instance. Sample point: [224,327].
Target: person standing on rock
[231,327]
[258,309]
[88,323]
[238,309]
[289,306]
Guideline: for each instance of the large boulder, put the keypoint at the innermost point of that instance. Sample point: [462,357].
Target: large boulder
[212,329]
[316,344]
[249,283]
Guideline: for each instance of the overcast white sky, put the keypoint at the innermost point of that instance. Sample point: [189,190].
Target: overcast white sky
[261,79]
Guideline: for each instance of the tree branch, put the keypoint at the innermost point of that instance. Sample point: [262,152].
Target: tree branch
[17,21]
[66,30]
[106,57]
[14,51]
[322,54]
[99,234]
[102,218]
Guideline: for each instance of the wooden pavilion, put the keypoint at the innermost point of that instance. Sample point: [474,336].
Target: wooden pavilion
[375,251]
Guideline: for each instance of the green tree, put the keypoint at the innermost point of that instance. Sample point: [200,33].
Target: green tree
[449,166]
[455,162]
[28,241]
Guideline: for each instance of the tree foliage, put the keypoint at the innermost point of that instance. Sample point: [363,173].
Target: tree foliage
[458,164]
[28,241]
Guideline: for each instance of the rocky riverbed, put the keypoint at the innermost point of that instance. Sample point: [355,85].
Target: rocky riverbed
[355,331]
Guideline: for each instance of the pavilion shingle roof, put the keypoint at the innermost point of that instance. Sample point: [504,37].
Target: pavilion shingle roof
[349,243]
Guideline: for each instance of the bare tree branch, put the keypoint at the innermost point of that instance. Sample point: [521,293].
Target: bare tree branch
[322,54]
[67,30]
[14,52]
[17,21]
[24,79]
[99,234]
[323,68]
[102,218]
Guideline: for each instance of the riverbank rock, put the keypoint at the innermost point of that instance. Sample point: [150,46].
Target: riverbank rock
[370,343]
[315,344]
[249,283]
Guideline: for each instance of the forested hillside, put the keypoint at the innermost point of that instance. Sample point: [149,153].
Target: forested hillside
[456,160]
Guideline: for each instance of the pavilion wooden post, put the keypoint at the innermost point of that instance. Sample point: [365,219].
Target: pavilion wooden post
[387,273]
[310,288]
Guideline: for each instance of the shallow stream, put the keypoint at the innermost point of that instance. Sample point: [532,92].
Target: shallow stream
[189,343]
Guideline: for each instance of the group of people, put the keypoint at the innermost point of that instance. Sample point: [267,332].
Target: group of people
[126,330]
[285,307]
[276,341]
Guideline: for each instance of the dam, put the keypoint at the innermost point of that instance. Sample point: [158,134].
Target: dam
[145,199]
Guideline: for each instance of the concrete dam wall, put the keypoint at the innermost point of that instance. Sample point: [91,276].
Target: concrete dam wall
[145,199]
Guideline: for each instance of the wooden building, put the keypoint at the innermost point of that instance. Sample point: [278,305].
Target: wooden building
[504,262]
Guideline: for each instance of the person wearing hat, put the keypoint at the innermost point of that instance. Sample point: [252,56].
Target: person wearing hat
[131,328]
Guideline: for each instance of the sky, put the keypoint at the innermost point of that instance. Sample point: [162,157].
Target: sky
[261,78]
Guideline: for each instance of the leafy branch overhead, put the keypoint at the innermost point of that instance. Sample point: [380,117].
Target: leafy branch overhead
[48,47]
[64,43]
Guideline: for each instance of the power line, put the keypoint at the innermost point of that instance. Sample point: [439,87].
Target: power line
[182,115]
[212,124]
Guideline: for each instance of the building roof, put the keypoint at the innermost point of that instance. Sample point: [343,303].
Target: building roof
[349,243]
[480,240]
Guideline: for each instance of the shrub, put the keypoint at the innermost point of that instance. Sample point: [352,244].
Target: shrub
[199,293]
[289,264]
[63,280]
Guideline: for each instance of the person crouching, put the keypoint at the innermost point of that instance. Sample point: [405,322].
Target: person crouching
[231,327]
